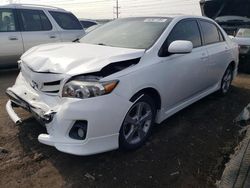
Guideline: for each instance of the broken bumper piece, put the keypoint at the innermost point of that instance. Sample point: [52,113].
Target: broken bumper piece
[59,115]
[41,115]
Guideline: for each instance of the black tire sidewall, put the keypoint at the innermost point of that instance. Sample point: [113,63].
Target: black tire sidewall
[123,144]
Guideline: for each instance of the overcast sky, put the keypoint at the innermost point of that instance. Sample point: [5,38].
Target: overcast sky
[102,9]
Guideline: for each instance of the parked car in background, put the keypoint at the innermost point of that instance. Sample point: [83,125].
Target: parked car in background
[23,26]
[99,23]
[108,90]
[231,24]
[242,38]
[87,23]
[103,21]
[231,15]
[92,28]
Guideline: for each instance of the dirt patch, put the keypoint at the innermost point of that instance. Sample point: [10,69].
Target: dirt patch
[187,150]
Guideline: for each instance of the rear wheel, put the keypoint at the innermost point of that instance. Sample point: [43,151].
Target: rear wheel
[137,125]
[226,81]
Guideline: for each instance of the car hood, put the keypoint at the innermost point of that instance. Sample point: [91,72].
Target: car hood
[232,19]
[75,58]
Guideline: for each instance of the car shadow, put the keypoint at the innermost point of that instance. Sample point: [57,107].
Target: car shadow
[189,151]
[244,65]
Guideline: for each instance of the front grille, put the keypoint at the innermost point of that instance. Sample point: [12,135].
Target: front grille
[51,87]
[46,82]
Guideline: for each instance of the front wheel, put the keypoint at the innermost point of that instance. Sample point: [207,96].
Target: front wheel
[226,81]
[137,125]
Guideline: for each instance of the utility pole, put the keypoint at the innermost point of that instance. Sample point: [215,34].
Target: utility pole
[117,9]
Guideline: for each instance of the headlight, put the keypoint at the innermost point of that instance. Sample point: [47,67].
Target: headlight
[87,89]
[244,49]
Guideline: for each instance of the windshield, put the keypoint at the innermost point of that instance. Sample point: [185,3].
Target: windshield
[244,33]
[137,33]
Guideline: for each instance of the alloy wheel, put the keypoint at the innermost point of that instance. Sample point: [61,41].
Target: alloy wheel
[137,123]
[227,80]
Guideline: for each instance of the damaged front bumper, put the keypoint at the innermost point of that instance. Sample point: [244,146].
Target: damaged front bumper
[59,115]
[44,117]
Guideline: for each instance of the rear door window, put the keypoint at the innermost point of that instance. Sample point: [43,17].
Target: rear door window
[34,20]
[7,20]
[66,21]
[186,30]
[211,33]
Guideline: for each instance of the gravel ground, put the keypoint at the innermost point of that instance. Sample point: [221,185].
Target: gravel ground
[187,150]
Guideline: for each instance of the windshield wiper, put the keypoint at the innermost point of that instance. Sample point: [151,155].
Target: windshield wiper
[76,40]
[102,44]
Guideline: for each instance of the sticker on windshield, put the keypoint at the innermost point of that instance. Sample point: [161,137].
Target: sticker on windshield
[159,20]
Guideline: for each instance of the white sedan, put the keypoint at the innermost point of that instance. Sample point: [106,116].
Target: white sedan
[108,90]
[242,38]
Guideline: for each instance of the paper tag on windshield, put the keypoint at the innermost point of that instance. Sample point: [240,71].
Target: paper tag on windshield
[159,20]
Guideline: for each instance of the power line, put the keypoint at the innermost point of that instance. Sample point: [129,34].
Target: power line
[78,3]
[116,12]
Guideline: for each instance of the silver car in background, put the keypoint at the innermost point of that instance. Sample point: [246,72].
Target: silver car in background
[23,26]
[86,23]
[242,38]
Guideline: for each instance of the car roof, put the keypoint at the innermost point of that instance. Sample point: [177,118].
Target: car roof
[173,17]
[32,6]
[192,16]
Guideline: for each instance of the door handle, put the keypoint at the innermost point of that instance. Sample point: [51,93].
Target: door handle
[227,49]
[13,38]
[204,57]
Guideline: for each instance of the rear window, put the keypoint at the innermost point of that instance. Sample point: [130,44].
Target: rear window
[66,21]
[34,20]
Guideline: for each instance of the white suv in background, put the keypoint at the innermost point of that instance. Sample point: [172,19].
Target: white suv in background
[24,26]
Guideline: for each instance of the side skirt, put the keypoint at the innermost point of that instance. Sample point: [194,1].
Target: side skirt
[164,114]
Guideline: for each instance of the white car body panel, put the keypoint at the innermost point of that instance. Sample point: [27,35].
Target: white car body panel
[244,45]
[242,41]
[84,58]
[180,80]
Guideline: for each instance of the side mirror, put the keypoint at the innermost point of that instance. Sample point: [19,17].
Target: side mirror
[180,47]
[231,36]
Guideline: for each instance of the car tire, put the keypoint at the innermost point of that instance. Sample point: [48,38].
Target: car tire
[226,81]
[137,124]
